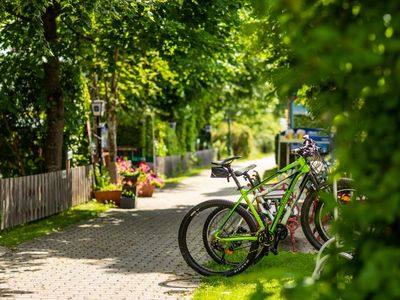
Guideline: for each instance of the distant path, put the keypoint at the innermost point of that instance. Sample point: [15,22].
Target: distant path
[125,254]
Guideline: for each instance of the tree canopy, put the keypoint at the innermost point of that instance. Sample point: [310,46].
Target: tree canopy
[181,61]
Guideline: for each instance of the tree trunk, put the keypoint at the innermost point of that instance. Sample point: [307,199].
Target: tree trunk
[94,89]
[15,149]
[112,122]
[53,92]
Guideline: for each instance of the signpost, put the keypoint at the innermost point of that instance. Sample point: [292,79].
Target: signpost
[291,139]
[98,108]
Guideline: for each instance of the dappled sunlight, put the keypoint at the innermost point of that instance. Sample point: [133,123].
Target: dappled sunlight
[121,246]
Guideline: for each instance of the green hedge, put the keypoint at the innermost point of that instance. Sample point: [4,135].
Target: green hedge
[345,57]
[242,139]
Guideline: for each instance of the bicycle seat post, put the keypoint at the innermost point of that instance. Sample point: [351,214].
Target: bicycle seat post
[232,174]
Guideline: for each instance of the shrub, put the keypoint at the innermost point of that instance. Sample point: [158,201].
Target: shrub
[242,139]
[346,52]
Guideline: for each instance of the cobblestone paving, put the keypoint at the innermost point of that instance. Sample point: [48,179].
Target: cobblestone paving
[124,254]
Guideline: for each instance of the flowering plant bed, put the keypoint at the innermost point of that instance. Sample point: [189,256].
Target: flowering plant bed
[146,189]
[108,196]
[148,176]
[143,177]
[106,192]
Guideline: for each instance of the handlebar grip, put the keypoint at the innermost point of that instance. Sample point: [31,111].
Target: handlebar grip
[295,151]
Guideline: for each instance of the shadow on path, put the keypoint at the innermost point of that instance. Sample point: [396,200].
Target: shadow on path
[226,191]
[136,250]
[120,242]
[127,240]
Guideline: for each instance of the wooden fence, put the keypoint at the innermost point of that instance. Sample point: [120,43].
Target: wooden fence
[175,164]
[29,198]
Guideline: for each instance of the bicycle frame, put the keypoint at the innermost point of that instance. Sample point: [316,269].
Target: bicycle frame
[301,168]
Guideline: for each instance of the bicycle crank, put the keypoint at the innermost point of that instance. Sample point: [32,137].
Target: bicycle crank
[265,238]
[280,234]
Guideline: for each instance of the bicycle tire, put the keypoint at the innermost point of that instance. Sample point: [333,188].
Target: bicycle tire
[321,213]
[319,222]
[260,252]
[189,251]
[307,218]
[206,231]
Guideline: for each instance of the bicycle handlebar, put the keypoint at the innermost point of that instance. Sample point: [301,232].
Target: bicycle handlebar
[309,148]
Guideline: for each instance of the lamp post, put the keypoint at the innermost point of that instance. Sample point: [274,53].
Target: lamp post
[291,110]
[207,130]
[98,107]
[154,144]
[229,135]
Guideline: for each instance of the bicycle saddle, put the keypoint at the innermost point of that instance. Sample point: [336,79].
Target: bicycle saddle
[225,162]
[241,172]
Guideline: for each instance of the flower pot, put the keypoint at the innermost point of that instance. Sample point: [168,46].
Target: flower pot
[131,178]
[107,196]
[146,190]
[127,202]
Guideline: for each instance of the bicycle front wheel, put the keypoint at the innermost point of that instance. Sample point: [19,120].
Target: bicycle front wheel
[208,255]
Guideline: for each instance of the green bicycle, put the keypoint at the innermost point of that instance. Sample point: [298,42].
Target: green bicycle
[220,237]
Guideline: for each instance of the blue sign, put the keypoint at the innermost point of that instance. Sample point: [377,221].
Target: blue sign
[318,135]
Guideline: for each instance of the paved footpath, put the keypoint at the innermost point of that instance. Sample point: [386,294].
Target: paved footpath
[124,254]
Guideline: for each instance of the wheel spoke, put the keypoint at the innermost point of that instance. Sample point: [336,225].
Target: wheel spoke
[209,255]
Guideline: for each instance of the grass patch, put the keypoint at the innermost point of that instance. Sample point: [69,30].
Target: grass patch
[12,237]
[264,280]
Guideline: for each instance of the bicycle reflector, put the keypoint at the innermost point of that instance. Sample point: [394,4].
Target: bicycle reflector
[228,252]
[344,197]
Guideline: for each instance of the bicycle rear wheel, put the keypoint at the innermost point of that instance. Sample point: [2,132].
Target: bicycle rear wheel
[208,255]
[324,214]
[312,222]
[307,220]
